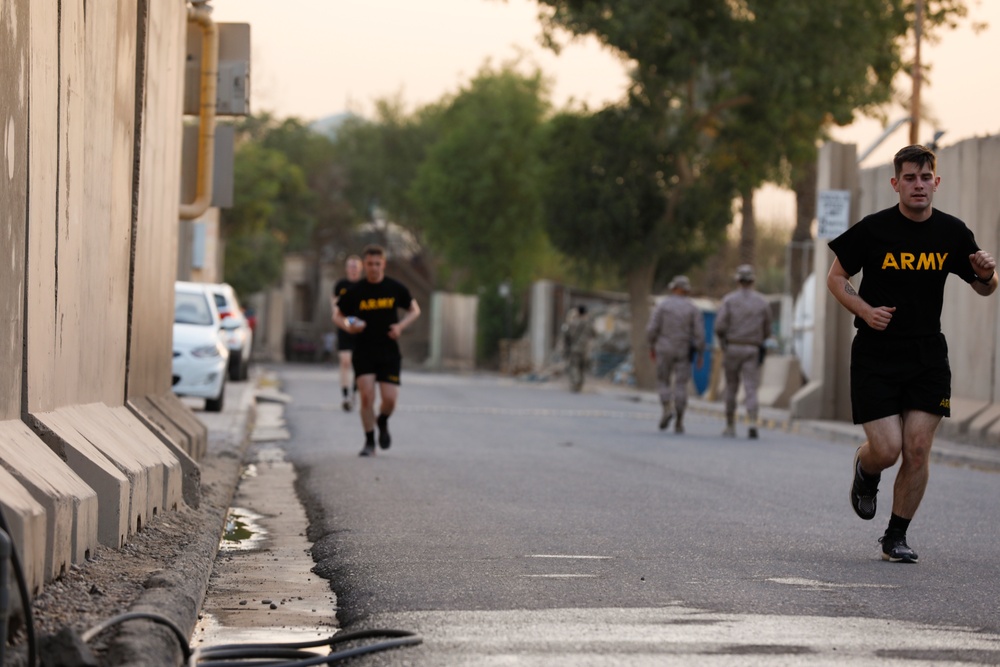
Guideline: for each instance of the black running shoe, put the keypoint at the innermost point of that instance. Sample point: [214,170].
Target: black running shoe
[367,450]
[895,549]
[752,433]
[863,491]
[384,439]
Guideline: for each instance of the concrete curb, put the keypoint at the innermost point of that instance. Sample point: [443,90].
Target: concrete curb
[178,592]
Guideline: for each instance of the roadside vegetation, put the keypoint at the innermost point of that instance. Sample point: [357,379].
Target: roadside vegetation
[501,189]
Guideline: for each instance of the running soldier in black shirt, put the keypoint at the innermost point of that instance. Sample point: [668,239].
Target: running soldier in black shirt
[900,375]
[345,341]
[368,310]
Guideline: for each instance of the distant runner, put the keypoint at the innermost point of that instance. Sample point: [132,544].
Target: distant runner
[345,341]
[369,310]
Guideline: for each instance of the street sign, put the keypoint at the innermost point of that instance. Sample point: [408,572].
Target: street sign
[833,211]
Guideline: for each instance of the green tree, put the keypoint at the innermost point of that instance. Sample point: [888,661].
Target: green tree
[381,158]
[289,196]
[270,198]
[684,55]
[604,204]
[748,82]
[476,193]
[811,66]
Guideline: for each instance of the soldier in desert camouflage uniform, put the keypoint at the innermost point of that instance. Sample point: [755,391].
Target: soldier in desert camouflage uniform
[676,335]
[576,331]
[742,325]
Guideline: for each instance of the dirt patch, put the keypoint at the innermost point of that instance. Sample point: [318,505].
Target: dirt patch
[114,580]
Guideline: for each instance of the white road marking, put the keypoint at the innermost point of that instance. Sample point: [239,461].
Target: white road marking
[568,556]
[820,585]
[683,636]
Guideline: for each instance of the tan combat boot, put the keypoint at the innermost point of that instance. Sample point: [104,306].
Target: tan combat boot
[668,414]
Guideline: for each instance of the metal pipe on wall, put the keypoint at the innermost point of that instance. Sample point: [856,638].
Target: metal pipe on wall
[202,17]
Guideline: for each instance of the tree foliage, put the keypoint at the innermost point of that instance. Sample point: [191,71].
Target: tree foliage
[477,190]
[288,197]
[381,157]
[604,204]
[733,91]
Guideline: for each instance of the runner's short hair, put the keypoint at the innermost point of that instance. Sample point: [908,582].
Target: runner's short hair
[919,155]
[374,249]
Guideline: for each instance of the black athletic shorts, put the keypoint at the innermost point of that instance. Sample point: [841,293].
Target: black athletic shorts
[345,341]
[384,364]
[891,375]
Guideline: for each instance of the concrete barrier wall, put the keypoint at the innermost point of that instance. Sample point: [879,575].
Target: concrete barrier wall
[88,229]
[83,111]
[453,331]
[15,57]
[155,228]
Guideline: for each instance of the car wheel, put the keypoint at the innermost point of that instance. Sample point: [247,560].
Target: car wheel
[235,364]
[215,404]
[245,369]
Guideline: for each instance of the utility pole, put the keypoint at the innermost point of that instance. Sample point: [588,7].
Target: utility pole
[917,75]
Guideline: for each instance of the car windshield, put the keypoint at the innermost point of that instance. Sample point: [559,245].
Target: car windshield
[192,309]
[228,308]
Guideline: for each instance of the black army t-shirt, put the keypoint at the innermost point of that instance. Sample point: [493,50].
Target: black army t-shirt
[905,265]
[376,304]
[342,286]
[345,341]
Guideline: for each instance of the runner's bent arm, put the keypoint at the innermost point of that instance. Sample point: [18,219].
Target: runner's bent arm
[984,265]
[412,313]
[839,283]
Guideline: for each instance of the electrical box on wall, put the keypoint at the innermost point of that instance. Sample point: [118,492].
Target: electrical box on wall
[222,165]
[233,91]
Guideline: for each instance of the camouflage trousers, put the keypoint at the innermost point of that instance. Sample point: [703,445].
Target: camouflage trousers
[673,374]
[742,362]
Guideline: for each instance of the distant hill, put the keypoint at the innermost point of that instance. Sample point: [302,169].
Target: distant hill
[329,125]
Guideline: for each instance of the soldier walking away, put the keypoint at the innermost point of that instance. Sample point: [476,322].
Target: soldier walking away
[900,374]
[676,335]
[369,310]
[576,332]
[345,341]
[742,325]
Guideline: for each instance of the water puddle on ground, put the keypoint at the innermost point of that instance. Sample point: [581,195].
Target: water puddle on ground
[262,588]
[243,531]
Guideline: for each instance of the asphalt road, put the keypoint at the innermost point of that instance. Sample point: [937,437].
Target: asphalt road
[517,523]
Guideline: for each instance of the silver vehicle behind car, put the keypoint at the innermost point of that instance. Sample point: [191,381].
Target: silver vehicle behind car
[236,331]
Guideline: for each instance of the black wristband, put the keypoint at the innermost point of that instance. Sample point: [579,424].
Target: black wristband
[986,281]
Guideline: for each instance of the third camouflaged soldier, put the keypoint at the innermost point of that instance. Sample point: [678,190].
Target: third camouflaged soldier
[742,325]
[577,332]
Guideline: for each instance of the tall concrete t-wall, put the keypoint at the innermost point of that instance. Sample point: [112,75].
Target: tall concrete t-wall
[92,442]
[971,323]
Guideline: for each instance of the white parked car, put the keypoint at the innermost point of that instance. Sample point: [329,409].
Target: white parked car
[236,331]
[200,356]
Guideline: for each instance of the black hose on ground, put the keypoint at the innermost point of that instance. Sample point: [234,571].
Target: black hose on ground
[22,587]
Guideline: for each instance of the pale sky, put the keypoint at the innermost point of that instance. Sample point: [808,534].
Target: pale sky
[313,58]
